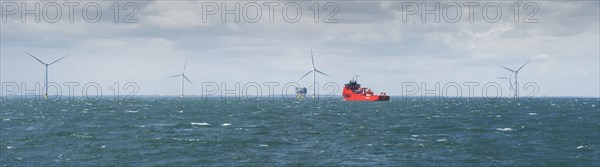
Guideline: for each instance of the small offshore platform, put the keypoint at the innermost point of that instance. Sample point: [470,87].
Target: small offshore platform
[301,92]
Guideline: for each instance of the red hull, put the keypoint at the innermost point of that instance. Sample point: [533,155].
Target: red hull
[360,97]
[353,92]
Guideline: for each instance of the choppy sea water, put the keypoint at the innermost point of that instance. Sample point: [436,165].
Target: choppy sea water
[171,131]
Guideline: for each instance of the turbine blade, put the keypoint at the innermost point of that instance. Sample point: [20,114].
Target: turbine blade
[184,65]
[312,58]
[36,58]
[523,66]
[507,68]
[174,76]
[305,75]
[501,77]
[322,73]
[57,60]
[186,78]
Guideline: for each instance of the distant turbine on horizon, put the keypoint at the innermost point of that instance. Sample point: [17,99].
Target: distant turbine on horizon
[516,72]
[314,71]
[182,75]
[46,74]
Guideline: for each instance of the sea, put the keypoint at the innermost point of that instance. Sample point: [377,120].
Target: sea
[277,131]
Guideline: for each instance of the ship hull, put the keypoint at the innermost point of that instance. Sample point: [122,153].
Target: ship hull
[359,97]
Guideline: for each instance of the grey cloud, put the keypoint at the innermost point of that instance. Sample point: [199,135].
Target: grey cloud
[370,38]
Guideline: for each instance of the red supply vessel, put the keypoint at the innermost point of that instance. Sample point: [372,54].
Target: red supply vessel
[353,92]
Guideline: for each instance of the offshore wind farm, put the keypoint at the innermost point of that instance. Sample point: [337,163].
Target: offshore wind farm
[249,131]
[388,83]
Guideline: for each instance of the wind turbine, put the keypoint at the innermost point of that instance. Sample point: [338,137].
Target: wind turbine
[516,72]
[182,75]
[46,74]
[314,71]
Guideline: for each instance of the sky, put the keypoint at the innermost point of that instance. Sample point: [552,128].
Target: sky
[391,44]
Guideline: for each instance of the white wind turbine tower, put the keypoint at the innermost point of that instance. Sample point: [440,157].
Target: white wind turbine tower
[510,83]
[314,71]
[182,75]
[516,72]
[46,74]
